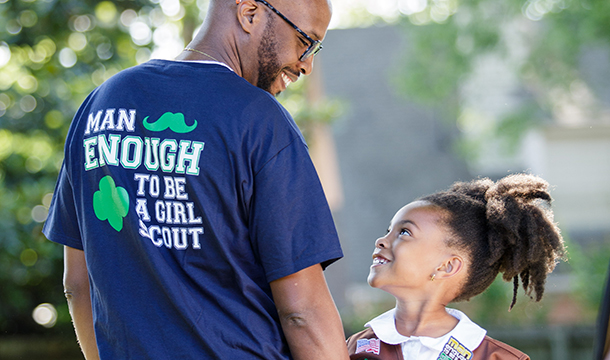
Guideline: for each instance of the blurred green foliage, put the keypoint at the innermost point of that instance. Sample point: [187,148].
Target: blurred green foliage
[590,266]
[541,41]
[307,111]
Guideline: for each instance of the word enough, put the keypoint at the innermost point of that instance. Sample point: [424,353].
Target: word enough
[131,151]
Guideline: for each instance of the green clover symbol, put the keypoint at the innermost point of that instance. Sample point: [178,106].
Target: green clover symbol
[111,203]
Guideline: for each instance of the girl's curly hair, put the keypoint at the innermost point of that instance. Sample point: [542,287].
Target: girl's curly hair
[505,226]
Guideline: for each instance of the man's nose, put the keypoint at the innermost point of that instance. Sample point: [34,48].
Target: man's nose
[306,66]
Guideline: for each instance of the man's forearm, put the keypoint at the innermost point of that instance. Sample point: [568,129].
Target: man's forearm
[309,317]
[315,333]
[82,318]
[76,289]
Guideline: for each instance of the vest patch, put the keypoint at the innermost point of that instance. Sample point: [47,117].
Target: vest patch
[454,350]
[368,345]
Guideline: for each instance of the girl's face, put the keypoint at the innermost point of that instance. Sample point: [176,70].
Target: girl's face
[412,250]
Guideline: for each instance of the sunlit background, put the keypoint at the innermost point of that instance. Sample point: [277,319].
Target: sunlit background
[407,97]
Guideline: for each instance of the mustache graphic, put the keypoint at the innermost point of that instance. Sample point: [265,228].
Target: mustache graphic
[175,122]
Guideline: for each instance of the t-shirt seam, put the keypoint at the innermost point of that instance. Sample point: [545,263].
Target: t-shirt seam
[218,67]
[309,261]
[281,115]
[63,239]
[274,156]
[292,124]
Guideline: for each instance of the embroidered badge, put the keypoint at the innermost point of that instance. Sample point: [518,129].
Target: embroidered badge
[454,350]
[368,345]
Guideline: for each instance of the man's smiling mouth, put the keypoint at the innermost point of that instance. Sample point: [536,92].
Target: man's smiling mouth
[286,79]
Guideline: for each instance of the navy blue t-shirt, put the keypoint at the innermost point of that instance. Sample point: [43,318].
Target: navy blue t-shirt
[189,190]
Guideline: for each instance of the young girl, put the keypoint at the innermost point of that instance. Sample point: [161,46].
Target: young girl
[449,246]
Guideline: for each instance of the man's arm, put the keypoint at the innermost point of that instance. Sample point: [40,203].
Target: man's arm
[308,315]
[76,288]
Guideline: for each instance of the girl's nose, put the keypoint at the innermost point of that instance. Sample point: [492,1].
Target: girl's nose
[382,242]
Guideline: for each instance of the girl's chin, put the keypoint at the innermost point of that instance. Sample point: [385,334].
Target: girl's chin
[371,281]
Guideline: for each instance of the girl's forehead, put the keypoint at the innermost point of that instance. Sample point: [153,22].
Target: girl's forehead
[417,211]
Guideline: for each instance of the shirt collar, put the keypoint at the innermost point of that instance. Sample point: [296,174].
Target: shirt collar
[202,62]
[466,332]
[384,326]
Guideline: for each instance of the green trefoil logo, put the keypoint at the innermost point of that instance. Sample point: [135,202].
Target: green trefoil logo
[175,122]
[111,203]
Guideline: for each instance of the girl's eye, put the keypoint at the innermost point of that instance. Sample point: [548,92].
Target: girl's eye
[405,232]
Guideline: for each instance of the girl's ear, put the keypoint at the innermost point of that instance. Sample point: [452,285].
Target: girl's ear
[450,267]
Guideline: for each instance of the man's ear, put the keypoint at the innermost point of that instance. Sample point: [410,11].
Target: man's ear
[249,14]
[450,267]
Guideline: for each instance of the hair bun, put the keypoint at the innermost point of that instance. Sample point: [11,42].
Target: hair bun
[523,239]
[475,190]
[520,186]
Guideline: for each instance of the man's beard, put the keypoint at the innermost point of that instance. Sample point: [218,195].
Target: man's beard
[268,63]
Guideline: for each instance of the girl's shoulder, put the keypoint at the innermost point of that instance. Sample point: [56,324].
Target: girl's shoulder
[493,349]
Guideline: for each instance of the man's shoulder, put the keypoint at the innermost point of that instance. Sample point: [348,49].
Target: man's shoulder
[163,70]
[191,82]
[491,348]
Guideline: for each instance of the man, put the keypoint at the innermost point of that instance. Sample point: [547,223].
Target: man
[193,221]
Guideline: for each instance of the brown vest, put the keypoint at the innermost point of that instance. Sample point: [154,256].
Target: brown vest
[490,349]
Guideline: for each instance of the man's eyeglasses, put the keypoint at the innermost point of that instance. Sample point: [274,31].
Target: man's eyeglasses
[314,46]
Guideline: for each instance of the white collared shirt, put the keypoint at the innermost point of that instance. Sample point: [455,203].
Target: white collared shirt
[466,335]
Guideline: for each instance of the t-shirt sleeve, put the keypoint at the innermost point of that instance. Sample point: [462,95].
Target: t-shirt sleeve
[291,223]
[62,225]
